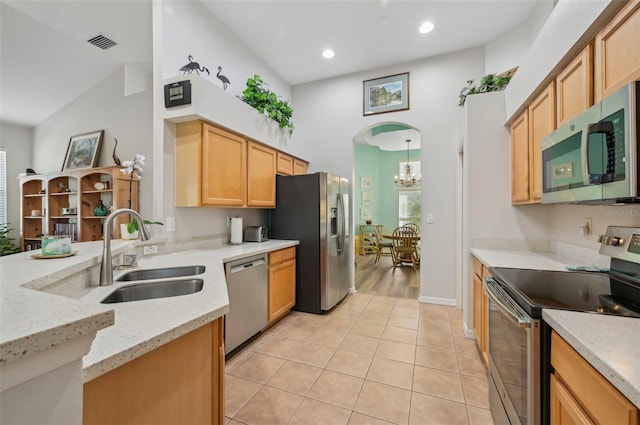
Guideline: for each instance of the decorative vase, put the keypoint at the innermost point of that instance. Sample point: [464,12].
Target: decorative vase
[100,210]
[124,233]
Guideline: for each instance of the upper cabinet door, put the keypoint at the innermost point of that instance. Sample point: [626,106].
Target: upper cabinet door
[520,159]
[617,51]
[261,178]
[542,121]
[284,164]
[574,86]
[299,167]
[224,167]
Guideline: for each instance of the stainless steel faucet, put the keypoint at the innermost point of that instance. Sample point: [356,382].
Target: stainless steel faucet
[106,268]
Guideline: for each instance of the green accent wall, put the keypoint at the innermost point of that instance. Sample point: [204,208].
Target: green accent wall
[381,167]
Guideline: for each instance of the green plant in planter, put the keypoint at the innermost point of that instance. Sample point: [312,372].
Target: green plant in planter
[488,83]
[267,102]
[6,243]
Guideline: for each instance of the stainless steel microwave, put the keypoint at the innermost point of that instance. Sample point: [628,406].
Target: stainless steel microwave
[593,159]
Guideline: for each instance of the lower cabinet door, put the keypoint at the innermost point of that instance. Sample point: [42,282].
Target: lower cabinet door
[565,410]
[282,289]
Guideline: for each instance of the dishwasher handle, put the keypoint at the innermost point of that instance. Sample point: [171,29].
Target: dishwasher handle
[247,266]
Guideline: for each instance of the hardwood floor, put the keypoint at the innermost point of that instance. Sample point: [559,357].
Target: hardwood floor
[381,279]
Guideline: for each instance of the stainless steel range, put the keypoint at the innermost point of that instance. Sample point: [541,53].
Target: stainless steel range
[519,341]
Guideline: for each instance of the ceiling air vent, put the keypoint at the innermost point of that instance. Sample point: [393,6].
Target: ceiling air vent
[102,42]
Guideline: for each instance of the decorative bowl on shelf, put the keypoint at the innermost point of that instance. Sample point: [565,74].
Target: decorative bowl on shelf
[369,222]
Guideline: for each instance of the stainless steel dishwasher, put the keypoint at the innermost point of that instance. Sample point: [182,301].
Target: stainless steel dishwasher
[247,285]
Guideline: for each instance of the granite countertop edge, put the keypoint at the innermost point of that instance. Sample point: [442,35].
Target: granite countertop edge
[598,338]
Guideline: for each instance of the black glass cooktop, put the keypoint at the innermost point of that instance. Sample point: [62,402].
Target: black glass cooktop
[534,290]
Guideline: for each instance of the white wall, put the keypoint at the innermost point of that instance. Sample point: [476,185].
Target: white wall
[189,28]
[328,115]
[18,142]
[104,106]
[565,27]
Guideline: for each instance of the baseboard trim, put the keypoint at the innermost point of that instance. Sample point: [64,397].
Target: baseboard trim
[439,301]
[469,333]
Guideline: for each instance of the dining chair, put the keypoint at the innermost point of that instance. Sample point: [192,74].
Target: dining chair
[413,226]
[416,228]
[381,243]
[404,247]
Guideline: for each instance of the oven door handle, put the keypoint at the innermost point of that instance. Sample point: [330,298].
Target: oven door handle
[491,289]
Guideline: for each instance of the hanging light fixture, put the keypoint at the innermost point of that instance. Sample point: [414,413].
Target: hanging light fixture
[408,179]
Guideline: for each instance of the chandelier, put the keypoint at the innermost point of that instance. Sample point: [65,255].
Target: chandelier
[408,177]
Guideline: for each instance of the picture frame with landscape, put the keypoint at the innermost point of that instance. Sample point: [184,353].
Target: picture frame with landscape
[386,94]
[83,151]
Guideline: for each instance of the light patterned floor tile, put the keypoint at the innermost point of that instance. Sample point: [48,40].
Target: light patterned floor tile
[471,364]
[313,412]
[374,400]
[350,363]
[403,322]
[313,354]
[237,392]
[391,372]
[396,351]
[337,389]
[475,391]
[269,406]
[360,419]
[411,312]
[362,327]
[478,416]
[295,377]
[280,346]
[258,368]
[437,359]
[438,383]
[392,333]
[360,343]
[428,410]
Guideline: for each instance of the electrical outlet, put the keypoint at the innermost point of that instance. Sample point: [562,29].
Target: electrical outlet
[150,249]
[171,224]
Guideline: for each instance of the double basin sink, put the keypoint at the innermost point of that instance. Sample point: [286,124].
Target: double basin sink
[161,286]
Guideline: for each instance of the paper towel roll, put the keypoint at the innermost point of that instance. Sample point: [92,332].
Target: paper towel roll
[236,231]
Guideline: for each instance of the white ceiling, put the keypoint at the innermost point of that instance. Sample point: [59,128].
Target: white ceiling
[45,61]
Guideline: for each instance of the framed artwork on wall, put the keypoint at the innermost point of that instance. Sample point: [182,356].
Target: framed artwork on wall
[365,182]
[386,94]
[83,151]
[366,198]
[365,213]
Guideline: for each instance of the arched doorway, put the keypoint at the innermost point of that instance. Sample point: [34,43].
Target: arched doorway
[383,195]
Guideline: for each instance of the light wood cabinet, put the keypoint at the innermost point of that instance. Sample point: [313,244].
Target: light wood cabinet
[299,167]
[282,283]
[215,167]
[617,51]
[284,164]
[574,86]
[55,194]
[261,176]
[581,395]
[181,382]
[527,132]
[520,159]
[480,309]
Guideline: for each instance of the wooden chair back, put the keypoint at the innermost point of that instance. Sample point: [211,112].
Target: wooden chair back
[404,246]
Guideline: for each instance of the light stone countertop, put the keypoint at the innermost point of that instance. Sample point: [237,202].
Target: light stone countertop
[32,320]
[611,344]
[522,259]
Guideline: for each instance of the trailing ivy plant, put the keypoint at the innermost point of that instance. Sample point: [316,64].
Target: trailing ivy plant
[488,83]
[6,243]
[267,102]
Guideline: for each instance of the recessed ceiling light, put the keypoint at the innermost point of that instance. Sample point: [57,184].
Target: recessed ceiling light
[328,53]
[425,28]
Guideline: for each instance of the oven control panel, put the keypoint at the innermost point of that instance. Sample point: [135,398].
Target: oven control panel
[621,242]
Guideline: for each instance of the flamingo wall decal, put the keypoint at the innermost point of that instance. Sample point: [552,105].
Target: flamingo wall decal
[225,80]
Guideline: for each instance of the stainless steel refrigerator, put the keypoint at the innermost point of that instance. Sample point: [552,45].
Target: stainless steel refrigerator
[314,209]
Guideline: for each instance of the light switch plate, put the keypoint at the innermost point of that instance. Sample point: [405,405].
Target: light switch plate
[430,218]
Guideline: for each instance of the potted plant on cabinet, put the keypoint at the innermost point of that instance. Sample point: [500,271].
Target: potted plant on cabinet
[267,102]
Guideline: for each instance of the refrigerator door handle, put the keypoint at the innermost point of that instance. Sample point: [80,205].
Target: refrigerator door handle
[343,228]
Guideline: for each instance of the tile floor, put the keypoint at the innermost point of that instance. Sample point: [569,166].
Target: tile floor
[373,360]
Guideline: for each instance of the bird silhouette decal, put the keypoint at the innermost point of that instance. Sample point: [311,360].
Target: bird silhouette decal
[225,80]
[115,157]
[193,66]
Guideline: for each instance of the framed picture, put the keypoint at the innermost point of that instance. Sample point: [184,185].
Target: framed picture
[365,213]
[366,198]
[365,182]
[83,151]
[386,94]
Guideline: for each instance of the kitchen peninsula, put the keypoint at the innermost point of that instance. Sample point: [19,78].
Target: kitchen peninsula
[51,313]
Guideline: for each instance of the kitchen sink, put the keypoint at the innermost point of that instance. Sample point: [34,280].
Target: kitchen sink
[161,289]
[161,273]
